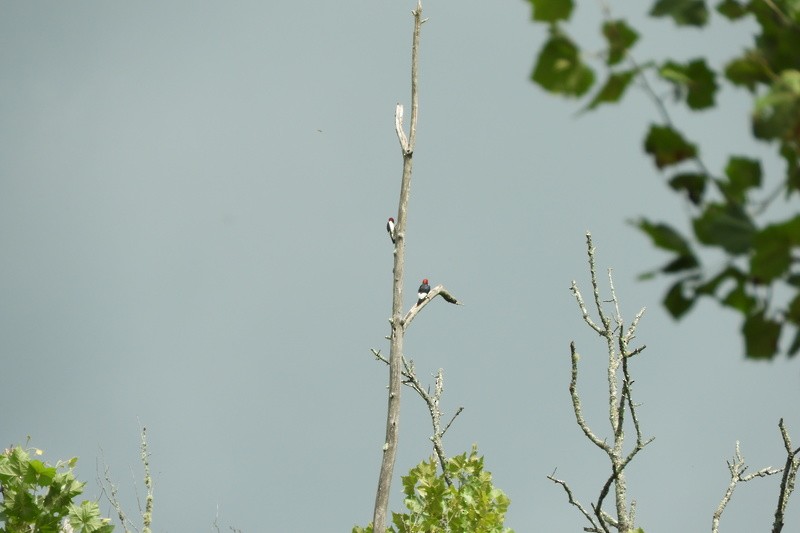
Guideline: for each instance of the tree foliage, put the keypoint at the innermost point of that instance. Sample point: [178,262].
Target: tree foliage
[730,210]
[39,497]
[467,503]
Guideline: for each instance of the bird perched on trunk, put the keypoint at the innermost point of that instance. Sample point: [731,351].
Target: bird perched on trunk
[423,291]
[390,228]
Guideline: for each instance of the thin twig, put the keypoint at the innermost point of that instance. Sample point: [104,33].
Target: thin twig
[378,356]
[595,286]
[576,503]
[147,516]
[458,412]
[110,491]
[584,311]
[784,19]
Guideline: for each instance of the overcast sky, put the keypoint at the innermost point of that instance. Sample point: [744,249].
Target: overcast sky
[192,207]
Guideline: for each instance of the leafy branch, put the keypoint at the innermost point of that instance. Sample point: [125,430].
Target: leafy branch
[37,496]
[763,256]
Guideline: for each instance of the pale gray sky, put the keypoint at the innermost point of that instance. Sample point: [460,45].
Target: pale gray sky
[182,245]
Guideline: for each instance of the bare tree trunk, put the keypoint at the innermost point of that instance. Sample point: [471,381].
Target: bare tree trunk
[396,348]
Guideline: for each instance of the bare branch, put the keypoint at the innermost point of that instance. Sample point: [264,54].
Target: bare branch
[787,480]
[576,403]
[439,290]
[418,21]
[398,126]
[626,391]
[432,401]
[631,333]
[575,502]
[147,515]
[109,489]
[737,467]
[111,493]
[595,287]
[638,350]
[619,402]
[617,313]
[378,356]
[584,311]
[449,298]
[598,508]
[458,412]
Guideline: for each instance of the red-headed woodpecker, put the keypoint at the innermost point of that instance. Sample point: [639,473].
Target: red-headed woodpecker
[423,291]
[390,228]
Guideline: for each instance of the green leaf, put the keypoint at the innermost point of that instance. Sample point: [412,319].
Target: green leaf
[695,76]
[773,250]
[795,346]
[748,70]
[664,236]
[771,258]
[559,68]
[792,159]
[680,263]
[39,473]
[667,146]
[710,287]
[793,312]
[620,38]
[739,299]
[731,9]
[703,85]
[613,89]
[777,113]
[779,40]
[551,10]
[761,336]
[683,12]
[8,468]
[85,516]
[676,302]
[726,226]
[743,174]
[694,185]
[675,73]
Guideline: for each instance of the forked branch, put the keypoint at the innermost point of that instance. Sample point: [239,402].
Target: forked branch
[411,380]
[737,468]
[611,327]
